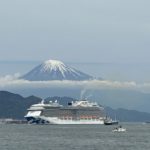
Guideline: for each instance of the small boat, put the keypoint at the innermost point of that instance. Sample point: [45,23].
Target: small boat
[109,121]
[119,129]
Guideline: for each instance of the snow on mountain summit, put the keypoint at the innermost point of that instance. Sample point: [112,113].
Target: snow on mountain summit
[52,64]
[55,70]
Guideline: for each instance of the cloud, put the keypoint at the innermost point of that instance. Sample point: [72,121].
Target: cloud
[12,81]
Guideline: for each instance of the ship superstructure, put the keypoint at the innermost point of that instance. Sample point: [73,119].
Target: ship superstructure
[78,112]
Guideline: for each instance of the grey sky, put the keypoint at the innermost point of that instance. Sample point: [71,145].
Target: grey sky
[80,30]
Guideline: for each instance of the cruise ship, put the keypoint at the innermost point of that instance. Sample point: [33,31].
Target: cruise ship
[78,112]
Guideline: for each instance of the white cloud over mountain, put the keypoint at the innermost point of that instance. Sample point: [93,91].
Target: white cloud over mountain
[12,81]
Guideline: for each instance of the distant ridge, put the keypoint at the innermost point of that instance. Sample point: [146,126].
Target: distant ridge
[14,105]
[55,70]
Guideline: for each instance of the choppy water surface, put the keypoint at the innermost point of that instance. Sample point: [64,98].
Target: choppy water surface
[74,137]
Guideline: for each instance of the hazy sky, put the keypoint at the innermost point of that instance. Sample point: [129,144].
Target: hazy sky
[75,30]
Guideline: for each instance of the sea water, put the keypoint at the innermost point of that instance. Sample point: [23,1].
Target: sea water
[74,137]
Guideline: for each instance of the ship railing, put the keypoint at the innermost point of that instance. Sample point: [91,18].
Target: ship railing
[66,118]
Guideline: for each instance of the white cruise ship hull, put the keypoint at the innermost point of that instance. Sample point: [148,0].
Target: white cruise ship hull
[55,120]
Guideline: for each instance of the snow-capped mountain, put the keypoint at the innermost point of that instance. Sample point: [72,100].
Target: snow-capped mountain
[55,70]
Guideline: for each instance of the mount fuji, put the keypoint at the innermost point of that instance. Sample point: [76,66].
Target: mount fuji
[55,70]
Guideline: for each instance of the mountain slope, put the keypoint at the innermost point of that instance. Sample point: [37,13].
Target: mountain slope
[126,115]
[15,106]
[54,70]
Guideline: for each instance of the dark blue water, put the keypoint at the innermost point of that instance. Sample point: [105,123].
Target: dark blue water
[74,137]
